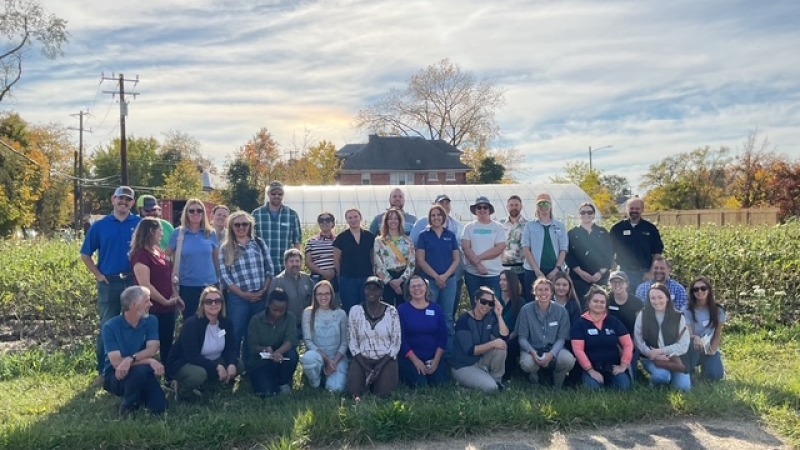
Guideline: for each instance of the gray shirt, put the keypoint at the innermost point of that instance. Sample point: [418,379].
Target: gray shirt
[537,331]
[299,291]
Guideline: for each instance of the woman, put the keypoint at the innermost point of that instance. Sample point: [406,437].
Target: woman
[198,256]
[152,270]
[245,270]
[565,296]
[511,296]
[705,320]
[219,219]
[424,337]
[590,254]
[374,329]
[205,354]
[325,336]
[353,258]
[662,338]
[479,352]
[439,257]
[623,305]
[271,342]
[394,256]
[602,345]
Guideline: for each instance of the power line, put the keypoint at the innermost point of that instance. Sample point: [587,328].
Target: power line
[123,112]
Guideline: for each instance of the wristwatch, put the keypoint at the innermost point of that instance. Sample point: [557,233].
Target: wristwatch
[133,357]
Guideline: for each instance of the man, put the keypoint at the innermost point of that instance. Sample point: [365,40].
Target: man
[277,224]
[397,199]
[110,237]
[319,251]
[544,243]
[513,257]
[298,285]
[483,241]
[636,242]
[148,207]
[661,271]
[130,369]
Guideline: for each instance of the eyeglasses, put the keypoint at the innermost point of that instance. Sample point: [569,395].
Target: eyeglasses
[325,220]
[486,302]
[587,213]
[699,288]
[212,301]
[480,207]
[544,205]
[195,211]
[241,224]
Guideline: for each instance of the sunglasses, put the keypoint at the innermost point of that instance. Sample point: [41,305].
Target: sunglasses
[212,301]
[276,194]
[480,207]
[241,224]
[325,220]
[699,288]
[195,211]
[486,302]
[544,205]
[587,213]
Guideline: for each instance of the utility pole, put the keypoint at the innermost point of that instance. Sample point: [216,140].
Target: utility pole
[592,151]
[79,172]
[123,111]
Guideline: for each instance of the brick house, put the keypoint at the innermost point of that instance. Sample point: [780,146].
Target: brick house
[401,160]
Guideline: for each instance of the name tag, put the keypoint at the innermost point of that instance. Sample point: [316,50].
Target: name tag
[672,296]
[430,312]
[221,333]
[609,332]
[614,308]
[626,232]
[592,332]
[704,323]
[553,324]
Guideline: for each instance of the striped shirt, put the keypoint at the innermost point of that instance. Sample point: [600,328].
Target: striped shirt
[280,232]
[250,270]
[320,251]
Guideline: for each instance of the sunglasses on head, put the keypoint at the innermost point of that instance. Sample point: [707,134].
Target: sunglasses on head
[587,213]
[241,224]
[195,211]
[486,302]
[212,301]
[699,288]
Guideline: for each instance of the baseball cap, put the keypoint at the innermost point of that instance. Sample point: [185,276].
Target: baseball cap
[618,275]
[374,280]
[124,191]
[441,198]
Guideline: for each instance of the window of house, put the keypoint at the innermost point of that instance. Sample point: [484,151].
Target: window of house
[451,176]
[401,178]
[433,176]
[365,178]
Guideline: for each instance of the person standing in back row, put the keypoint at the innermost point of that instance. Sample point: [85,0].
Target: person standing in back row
[397,199]
[278,225]
[636,242]
[545,243]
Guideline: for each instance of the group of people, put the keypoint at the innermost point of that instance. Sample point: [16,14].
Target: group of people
[536,304]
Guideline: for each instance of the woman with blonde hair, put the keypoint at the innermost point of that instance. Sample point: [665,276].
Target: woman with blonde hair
[395,256]
[326,339]
[205,354]
[194,247]
[245,271]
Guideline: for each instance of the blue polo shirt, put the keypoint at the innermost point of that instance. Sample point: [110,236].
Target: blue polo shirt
[197,261]
[119,336]
[438,249]
[112,240]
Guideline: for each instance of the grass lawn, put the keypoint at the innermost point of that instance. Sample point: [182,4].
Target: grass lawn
[49,402]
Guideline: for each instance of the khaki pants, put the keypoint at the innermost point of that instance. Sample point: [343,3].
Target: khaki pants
[485,374]
[564,362]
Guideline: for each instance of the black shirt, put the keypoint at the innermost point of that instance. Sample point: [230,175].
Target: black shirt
[590,251]
[356,259]
[635,246]
[627,312]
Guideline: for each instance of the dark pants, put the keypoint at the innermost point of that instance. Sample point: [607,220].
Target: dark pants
[140,387]
[267,379]
[166,333]
[108,306]
[383,386]
[512,359]
[410,376]
[351,291]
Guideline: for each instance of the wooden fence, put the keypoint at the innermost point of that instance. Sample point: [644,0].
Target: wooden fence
[698,217]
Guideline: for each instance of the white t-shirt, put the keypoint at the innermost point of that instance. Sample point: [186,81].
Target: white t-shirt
[213,344]
[482,237]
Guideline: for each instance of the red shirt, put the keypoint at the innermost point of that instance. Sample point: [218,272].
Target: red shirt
[160,276]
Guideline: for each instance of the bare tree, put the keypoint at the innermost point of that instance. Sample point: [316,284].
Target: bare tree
[753,161]
[23,24]
[440,102]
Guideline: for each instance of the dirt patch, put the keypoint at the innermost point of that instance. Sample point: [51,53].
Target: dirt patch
[17,336]
[682,435]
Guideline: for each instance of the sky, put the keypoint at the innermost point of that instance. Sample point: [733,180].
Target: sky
[650,79]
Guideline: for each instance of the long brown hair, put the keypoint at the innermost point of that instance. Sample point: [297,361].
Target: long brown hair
[144,236]
[671,316]
[711,303]
[514,290]
[385,225]
[315,304]
[572,296]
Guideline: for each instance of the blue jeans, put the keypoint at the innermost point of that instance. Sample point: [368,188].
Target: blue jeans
[446,298]
[267,379]
[658,376]
[410,376]
[191,297]
[710,365]
[351,291]
[108,304]
[474,282]
[621,382]
[240,311]
[141,386]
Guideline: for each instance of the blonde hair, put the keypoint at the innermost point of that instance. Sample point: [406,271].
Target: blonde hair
[204,225]
[201,312]
[230,249]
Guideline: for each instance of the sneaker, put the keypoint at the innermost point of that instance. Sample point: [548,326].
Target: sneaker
[285,390]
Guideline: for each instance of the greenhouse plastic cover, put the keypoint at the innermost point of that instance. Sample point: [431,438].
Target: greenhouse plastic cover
[371,200]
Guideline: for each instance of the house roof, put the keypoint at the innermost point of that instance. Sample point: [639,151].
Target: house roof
[388,153]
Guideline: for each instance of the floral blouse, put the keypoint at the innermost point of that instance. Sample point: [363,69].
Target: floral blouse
[387,258]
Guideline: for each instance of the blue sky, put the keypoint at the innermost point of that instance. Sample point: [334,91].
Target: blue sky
[650,78]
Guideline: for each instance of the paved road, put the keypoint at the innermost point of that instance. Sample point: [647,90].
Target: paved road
[687,435]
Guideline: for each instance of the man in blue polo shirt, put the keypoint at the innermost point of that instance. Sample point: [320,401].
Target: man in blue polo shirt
[110,237]
[130,369]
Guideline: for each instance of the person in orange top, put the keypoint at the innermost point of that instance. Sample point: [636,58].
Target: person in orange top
[596,341]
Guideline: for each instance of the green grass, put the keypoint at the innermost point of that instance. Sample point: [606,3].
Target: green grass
[54,405]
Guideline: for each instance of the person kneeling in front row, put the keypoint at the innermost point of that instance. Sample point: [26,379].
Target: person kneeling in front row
[131,343]
[272,342]
[479,351]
